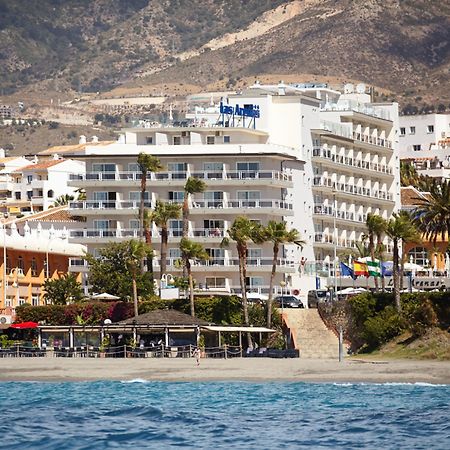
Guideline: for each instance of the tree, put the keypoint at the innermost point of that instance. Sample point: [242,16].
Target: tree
[161,215]
[243,231]
[148,240]
[63,200]
[400,229]
[63,290]
[432,215]
[192,186]
[137,251]
[375,225]
[110,272]
[278,234]
[192,251]
[147,163]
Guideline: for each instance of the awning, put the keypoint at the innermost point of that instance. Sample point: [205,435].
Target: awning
[25,325]
[237,329]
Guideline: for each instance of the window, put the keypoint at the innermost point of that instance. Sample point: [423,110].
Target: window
[249,198]
[418,255]
[8,265]
[17,195]
[133,167]
[50,194]
[253,256]
[412,130]
[134,224]
[226,139]
[177,167]
[103,167]
[177,140]
[402,131]
[136,195]
[210,140]
[35,300]
[176,196]
[216,256]
[29,195]
[417,147]
[254,282]
[248,166]
[176,227]
[101,224]
[213,166]
[149,140]
[20,263]
[214,199]
[33,268]
[21,301]
[430,129]
[215,282]
[29,179]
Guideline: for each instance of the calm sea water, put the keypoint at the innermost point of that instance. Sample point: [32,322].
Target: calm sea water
[158,415]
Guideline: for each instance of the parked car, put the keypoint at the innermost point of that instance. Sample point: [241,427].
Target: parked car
[316,296]
[288,301]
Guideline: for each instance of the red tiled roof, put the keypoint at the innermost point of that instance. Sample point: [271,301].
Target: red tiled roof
[41,165]
[411,196]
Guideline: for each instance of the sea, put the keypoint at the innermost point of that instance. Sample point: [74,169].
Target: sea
[223,415]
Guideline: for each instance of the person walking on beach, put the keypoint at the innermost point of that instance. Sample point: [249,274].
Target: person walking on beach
[196,355]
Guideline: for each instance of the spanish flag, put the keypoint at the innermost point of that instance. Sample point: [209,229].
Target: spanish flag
[360,268]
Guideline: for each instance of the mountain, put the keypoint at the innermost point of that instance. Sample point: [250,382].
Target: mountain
[400,46]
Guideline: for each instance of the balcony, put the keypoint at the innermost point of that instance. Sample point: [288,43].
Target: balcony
[268,206]
[372,140]
[78,265]
[328,211]
[89,207]
[346,188]
[94,236]
[179,178]
[339,160]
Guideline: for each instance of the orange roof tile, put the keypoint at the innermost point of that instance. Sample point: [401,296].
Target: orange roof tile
[71,148]
[411,196]
[41,165]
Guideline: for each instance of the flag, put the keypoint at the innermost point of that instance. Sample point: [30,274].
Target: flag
[374,267]
[386,269]
[360,268]
[347,271]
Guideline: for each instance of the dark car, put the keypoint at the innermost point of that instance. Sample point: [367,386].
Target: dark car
[316,296]
[288,301]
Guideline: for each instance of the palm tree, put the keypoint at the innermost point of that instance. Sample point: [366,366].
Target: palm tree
[192,251]
[192,186]
[63,200]
[375,227]
[137,251]
[277,234]
[400,229]
[243,231]
[161,215]
[148,240]
[147,163]
[432,215]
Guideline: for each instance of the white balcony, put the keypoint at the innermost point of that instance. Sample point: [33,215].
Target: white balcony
[89,207]
[262,177]
[78,265]
[340,216]
[356,165]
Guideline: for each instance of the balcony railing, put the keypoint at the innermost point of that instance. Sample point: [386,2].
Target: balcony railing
[380,142]
[133,233]
[352,189]
[344,215]
[109,204]
[171,176]
[278,204]
[233,262]
[347,161]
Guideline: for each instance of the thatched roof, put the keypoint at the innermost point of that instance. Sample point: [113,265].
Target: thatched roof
[165,317]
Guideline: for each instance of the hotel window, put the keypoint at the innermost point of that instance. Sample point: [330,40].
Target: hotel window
[418,255]
[402,131]
[249,198]
[214,199]
[136,195]
[176,196]
[253,256]
[133,167]
[20,263]
[247,166]
[134,224]
[33,267]
[216,256]
[254,282]
[213,166]
[21,301]
[29,179]
[177,140]
[430,129]
[149,140]
[177,167]
[210,140]
[417,147]
[226,139]
[176,227]
[215,282]
[17,195]
[412,130]
[8,265]
[103,167]
[35,300]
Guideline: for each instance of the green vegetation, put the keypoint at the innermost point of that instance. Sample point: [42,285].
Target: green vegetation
[63,290]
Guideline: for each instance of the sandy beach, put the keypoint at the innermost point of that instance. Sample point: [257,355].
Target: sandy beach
[237,369]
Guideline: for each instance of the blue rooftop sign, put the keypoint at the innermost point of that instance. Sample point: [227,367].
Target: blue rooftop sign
[246,111]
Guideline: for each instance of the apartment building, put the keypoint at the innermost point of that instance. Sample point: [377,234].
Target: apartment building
[424,140]
[35,185]
[317,159]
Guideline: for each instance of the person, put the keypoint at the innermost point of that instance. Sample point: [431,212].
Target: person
[196,355]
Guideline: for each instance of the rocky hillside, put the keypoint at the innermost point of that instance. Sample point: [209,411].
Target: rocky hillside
[401,46]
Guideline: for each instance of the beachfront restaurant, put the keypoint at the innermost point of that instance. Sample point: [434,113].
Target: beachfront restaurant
[159,333]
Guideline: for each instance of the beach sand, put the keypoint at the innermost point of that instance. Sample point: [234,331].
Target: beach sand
[236,369]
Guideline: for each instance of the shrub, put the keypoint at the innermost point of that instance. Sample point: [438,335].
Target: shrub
[382,327]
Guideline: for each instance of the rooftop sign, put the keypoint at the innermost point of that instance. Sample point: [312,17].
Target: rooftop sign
[246,111]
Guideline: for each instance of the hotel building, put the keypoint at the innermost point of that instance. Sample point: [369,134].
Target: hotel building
[313,157]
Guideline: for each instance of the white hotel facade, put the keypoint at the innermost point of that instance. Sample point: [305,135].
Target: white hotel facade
[315,158]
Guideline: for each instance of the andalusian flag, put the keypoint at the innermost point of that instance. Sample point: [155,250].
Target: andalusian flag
[374,267]
[360,268]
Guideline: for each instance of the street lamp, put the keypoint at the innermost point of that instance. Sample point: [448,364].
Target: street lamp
[282,286]
[5,216]
[47,265]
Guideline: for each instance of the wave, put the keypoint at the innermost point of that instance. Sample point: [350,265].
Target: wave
[392,383]
[135,380]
